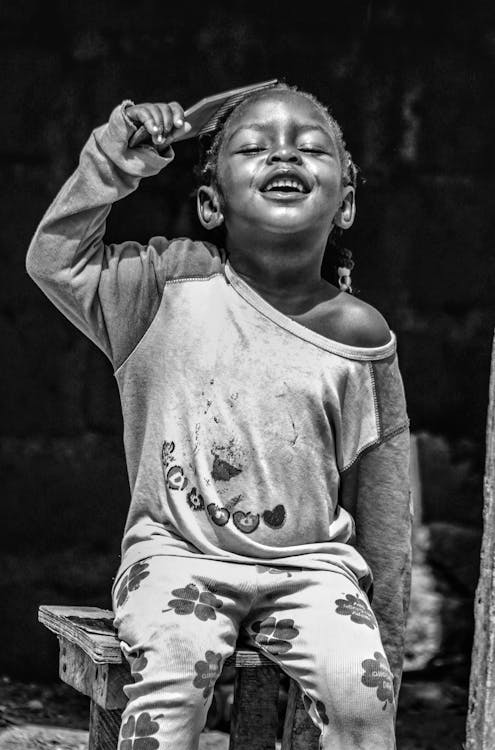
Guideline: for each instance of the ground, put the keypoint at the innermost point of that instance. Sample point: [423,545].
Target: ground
[55,717]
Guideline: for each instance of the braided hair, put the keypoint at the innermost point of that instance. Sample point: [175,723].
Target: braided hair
[207,170]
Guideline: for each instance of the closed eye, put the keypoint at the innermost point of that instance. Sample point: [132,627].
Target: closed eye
[313,150]
[251,149]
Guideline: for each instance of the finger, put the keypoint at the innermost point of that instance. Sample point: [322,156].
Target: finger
[167,117]
[177,114]
[162,114]
[157,114]
[178,133]
[161,123]
[144,114]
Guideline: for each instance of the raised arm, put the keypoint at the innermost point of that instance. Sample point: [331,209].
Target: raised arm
[101,287]
[376,491]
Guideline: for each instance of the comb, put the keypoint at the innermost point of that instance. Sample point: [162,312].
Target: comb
[205,115]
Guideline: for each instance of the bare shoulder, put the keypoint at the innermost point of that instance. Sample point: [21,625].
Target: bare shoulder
[341,317]
[361,324]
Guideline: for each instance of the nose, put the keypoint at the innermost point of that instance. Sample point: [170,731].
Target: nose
[285,153]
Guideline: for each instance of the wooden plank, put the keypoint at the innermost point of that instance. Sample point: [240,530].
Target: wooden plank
[248,659]
[103,683]
[254,720]
[299,731]
[104,727]
[480,725]
[91,628]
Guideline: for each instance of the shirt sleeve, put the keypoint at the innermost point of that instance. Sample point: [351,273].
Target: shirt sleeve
[101,288]
[375,489]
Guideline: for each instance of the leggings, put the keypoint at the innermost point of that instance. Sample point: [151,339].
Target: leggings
[178,619]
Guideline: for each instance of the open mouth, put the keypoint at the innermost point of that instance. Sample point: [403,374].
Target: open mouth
[289,184]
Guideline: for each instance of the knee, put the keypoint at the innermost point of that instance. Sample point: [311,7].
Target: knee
[356,688]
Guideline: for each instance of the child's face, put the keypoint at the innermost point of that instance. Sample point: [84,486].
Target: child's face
[279,167]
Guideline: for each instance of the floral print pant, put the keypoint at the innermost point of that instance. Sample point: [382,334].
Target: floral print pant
[178,619]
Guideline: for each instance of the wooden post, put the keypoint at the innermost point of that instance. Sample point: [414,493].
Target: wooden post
[253,724]
[103,683]
[480,729]
[104,727]
[299,731]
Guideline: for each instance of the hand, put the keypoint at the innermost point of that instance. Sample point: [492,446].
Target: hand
[162,123]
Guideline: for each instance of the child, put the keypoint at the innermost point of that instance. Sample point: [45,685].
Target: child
[265,427]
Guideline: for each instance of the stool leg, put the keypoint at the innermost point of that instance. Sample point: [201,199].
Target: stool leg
[253,725]
[104,726]
[299,731]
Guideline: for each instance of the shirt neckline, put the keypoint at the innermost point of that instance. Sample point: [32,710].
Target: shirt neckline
[289,324]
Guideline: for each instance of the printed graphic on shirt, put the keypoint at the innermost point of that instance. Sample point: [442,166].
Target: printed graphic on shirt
[207,671]
[274,636]
[195,500]
[137,733]
[218,515]
[174,474]
[224,471]
[190,599]
[168,449]
[246,522]
[274,518]
[377,674]
[358,610]
[319,706]
[131,581]
[175,478]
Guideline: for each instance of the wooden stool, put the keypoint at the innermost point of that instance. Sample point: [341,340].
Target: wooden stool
[91,662]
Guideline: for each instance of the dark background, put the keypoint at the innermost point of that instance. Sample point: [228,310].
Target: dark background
[412,84]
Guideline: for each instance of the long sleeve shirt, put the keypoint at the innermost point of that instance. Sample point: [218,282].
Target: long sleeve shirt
[248,437]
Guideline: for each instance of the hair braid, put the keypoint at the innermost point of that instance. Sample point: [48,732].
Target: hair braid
[343,258]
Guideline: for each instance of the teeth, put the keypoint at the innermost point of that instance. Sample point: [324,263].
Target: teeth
[285,182]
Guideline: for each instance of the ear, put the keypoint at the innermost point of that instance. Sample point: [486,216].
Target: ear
[208,207]
[344,218]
